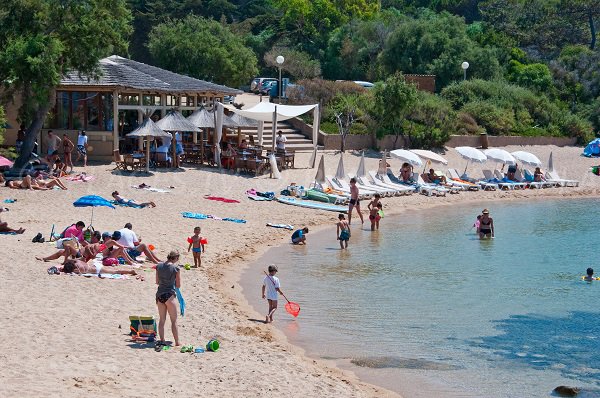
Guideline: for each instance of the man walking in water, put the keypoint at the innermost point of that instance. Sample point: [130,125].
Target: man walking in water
[354,202]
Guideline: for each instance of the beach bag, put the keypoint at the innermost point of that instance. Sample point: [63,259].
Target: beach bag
[142,327]
[110,262]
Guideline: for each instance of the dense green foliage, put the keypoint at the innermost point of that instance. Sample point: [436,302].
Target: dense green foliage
[543,54]
[202,48]
[40,40]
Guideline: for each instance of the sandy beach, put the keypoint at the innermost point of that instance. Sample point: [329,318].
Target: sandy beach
[68,335]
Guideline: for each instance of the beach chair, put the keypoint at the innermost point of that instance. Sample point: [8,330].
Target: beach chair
[528,184]
[503,182]
[119,161]
[364,183]
[384,181]
[530,177]
[162,160]
[343,186]
[142,328]
[466,185]
[552,176]
[429,189]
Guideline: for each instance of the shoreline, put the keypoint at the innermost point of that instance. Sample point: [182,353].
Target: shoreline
[236,270]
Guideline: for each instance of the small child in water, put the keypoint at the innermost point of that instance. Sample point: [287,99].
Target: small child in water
[271,287]
[196,246]
[590,275]
[343,231]
[373,207]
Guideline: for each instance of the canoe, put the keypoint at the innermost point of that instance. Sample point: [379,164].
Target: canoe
[310,204]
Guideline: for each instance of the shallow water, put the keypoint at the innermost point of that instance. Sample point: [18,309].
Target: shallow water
[424,300]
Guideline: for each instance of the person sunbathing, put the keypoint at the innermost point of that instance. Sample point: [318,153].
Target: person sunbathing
[69,248]
[538,176]
[433,178]
[81,267]
[112,249]
[130,202]
[49,182]
[26,183]
[4,228]
[406,173]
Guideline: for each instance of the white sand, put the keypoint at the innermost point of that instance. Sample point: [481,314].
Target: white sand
[67,335]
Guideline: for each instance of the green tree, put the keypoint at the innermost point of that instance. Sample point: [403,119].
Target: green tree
[41,40]
[346,111]
[392,101]
[437,44]
[298,64]
[204,49]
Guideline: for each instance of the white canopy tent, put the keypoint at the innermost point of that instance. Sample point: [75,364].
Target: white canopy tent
[267,111]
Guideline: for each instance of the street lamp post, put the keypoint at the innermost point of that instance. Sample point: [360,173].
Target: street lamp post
[464,66]
[280,61]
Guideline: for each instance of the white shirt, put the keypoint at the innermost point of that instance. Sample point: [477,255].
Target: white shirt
[128,237]
[281,141]
[53,142]
[82,140]
[270,283]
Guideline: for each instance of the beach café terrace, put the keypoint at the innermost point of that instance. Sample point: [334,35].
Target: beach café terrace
[125,88]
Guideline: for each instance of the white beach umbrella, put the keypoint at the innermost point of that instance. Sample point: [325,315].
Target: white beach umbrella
[407,156]
[320,176]
[527,158]
[429,155]
[382,169]
[550,163]
[361,172]
[471,155]
[500,156]
[340,173]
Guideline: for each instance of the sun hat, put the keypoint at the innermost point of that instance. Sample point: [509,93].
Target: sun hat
[272,268]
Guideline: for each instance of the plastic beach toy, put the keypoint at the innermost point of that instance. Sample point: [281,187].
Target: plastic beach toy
[212,345]
[151,247]
[199,350]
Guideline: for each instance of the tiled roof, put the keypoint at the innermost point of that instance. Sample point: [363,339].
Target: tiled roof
[122,72]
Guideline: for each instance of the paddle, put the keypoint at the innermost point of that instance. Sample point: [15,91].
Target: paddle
[292,308]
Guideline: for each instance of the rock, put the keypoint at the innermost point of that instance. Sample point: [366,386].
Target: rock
[567,391]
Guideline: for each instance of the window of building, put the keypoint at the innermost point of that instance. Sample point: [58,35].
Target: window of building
[172,100]
[151,100]
[129,99]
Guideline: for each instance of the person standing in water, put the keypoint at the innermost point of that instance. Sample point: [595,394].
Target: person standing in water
[354,202]
[343,231]
[486,225]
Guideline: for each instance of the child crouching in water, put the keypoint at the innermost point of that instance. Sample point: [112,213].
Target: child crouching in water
[343,231]
[271,286]
[196,246]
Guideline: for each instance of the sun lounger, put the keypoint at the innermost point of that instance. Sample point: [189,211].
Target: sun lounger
[364,183]
[502,181]
[552,176]
[385,182]
[448,187]
[343,186]
[456,180]
[429,189]
[529,177]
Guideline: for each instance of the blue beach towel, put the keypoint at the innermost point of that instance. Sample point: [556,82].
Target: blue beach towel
[181,301]
[237,220]
[10,200]
[8,233]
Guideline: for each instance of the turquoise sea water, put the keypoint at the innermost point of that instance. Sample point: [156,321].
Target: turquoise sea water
[423,301]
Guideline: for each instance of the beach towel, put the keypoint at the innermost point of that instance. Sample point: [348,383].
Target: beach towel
[106,276]
[80,178]
[220,199]
[10,200]
[200,216]
[151,189]
[284,226]
[181,301]
[8,233]
[126,204]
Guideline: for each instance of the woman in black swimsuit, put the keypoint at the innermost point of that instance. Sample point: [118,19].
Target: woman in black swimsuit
[486,225]
[167,279]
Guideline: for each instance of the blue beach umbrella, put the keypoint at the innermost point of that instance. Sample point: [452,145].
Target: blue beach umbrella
[92,201]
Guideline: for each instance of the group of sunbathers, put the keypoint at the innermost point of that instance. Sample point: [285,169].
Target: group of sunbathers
[42,182]
[123,244]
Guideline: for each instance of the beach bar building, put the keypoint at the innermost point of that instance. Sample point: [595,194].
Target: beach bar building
[125,88]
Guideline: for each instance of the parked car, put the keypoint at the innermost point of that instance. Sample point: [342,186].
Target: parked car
[228,99]
[361,83]
[257,83]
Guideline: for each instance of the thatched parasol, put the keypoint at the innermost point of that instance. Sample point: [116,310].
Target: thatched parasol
[148,129]
[172,122]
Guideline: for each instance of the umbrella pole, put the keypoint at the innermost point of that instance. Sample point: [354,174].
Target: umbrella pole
[92,219]
[148,155]
[467,165]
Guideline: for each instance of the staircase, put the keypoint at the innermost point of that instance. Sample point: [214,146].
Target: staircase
[295,140]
